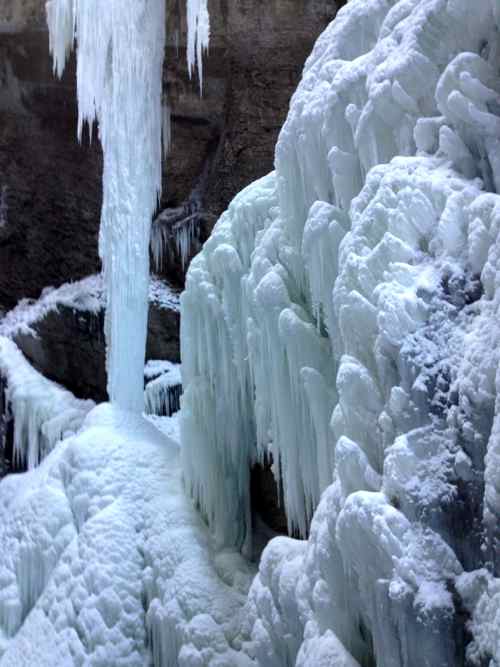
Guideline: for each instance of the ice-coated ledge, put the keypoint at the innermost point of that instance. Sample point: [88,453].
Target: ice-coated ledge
[86,295]
[43,412]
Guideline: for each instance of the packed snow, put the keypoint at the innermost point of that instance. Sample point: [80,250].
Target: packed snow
[342,321]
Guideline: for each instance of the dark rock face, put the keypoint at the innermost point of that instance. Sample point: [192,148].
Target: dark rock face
[51,192]
[221,142]
[69,347]
[267,498]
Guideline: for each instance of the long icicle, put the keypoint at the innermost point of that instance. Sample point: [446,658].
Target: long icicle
[120,51]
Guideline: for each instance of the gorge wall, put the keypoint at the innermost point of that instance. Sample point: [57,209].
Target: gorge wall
[51,187]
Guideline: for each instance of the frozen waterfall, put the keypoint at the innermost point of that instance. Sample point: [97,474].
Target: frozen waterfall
[342,321]
[120,51]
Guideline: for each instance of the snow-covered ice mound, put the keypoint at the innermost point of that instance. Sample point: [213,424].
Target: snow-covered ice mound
[105,561]
[343,319]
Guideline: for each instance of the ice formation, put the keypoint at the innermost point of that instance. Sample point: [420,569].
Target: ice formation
[342,320]
[120,51]
[169,238]
[43,413]
[198,35]
[106,562]
[163,389]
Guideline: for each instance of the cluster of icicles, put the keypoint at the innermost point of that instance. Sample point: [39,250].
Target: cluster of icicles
[120,51]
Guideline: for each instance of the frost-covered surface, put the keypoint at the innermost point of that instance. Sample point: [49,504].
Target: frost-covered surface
[120,52]
[43,412]
[169,426]
[343,318]
[83,295]
[86,295]
[163,295]
[163,387]
[106,562]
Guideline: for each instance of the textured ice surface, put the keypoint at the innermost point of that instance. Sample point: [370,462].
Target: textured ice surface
[106,562]
[342,319]
[43,412]
[120,49]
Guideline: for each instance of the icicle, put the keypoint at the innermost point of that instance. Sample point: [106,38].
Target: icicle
[198,35]
[163,391]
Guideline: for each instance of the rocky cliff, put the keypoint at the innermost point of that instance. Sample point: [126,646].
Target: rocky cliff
[50,187]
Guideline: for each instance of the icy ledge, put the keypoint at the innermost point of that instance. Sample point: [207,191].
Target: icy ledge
[43,412]
[343,319]
[85,295]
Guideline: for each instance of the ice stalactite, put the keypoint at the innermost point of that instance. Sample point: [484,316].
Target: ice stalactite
[163,388]
[120,51]
[198,35]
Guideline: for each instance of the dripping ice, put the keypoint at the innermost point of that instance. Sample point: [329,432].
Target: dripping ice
[120,50]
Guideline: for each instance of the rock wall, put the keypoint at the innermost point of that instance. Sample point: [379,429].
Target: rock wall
[50,187]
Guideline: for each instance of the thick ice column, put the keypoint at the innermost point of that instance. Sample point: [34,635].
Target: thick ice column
[119,71]
[120,58]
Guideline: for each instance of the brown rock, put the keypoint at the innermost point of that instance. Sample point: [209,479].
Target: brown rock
[221,142]
[68,347]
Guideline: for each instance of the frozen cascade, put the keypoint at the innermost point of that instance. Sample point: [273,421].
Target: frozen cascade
[120,51]
[198,35]
[43,412]
[342,319]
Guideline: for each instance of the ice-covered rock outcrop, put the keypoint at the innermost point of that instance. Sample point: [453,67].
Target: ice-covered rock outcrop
[42,412]
[342,320]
